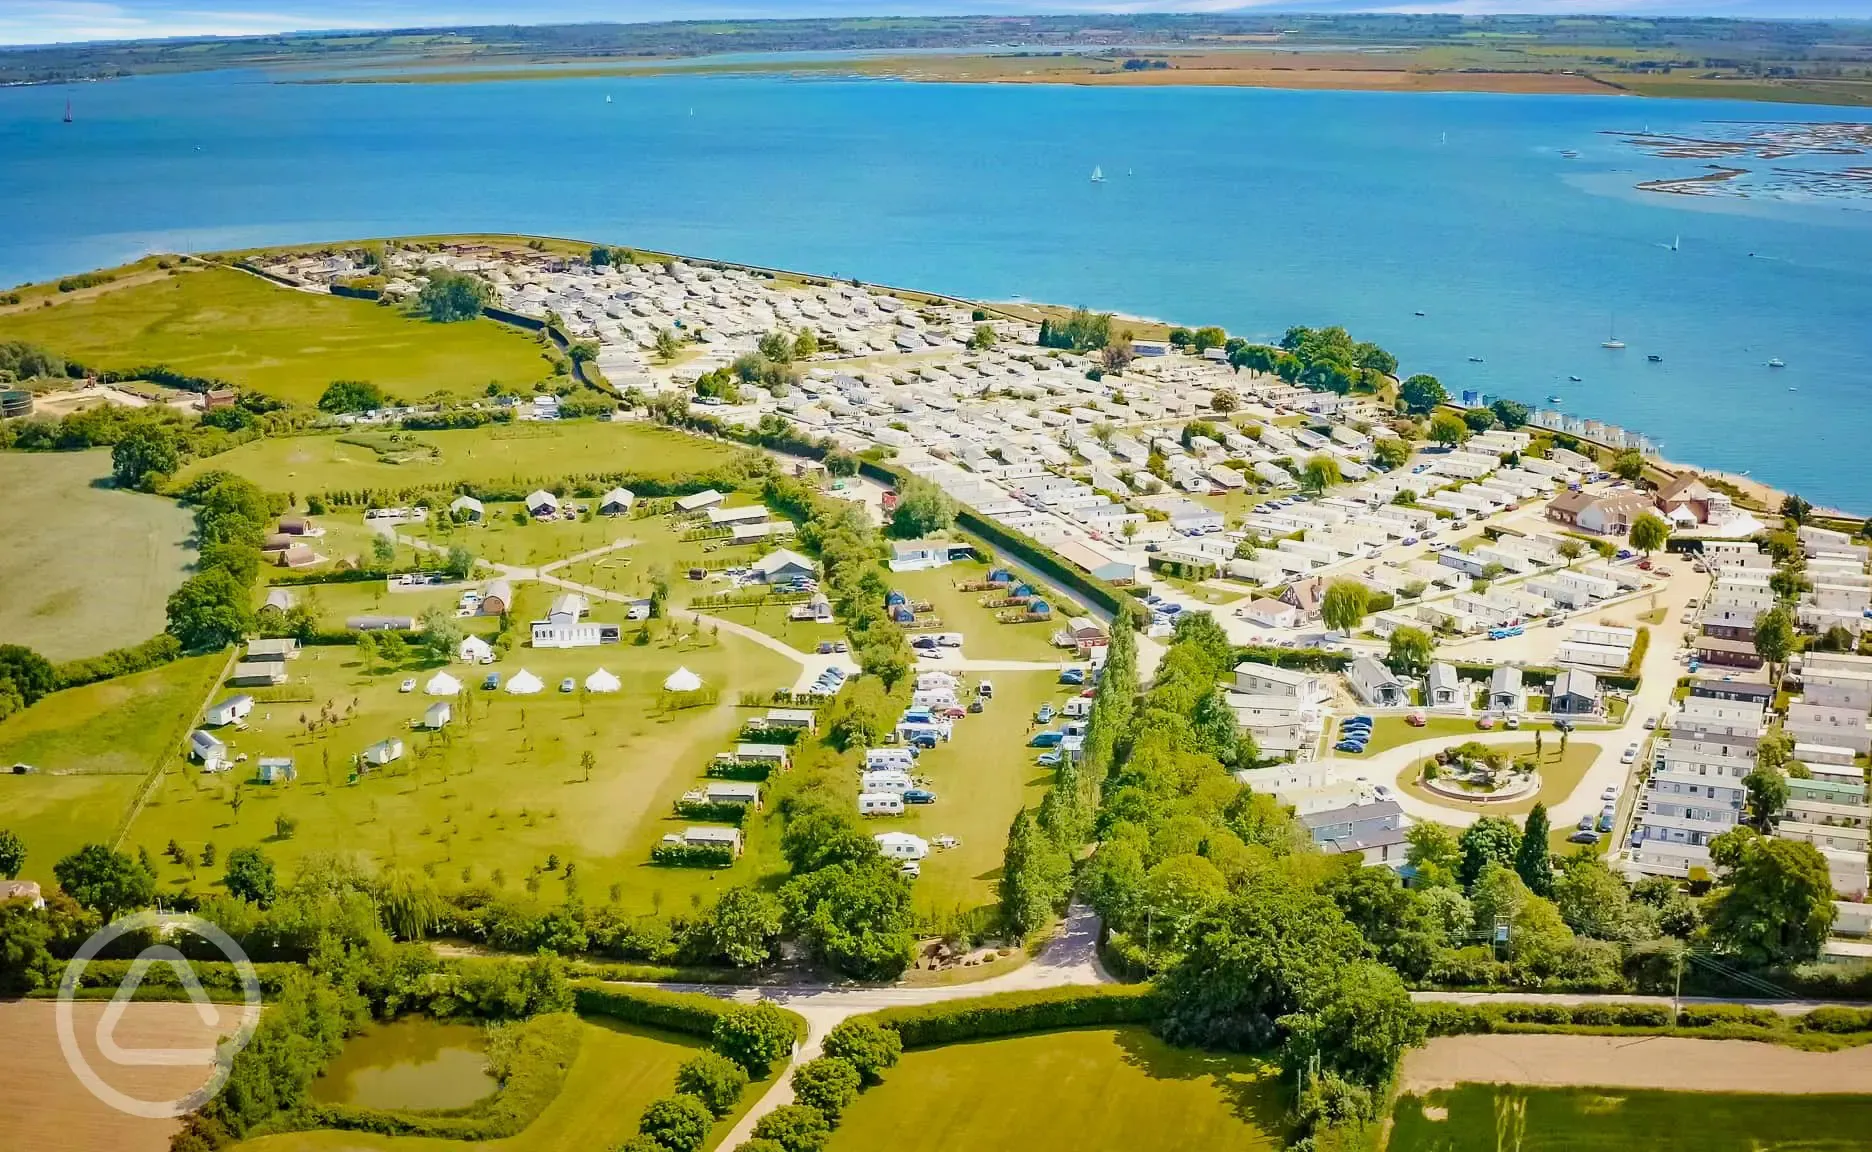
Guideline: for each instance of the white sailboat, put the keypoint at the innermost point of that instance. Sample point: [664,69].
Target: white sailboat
[1098,177]
[607,98]
[1612,341]
[1676,243]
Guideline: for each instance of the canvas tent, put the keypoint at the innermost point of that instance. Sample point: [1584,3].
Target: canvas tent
[524,683]
[442,684]
[682,680]
[601,681]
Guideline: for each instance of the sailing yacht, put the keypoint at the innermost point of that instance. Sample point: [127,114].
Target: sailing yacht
[1612,341]
[1098,177]
[68,115]
[607,98]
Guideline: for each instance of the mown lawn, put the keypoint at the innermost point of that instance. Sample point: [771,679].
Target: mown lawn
[1489,1118]
[1559,776]
[92,747]
[232,326]
[520,453]
[1089,1090]
[985,638]
[86,568]
[619,1070]
[501,793]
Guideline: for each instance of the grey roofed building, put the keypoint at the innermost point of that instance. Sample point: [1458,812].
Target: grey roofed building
[616,502]
[1375,684]
[467,506]
[258,674]
[1505,692]
[274,649]
[1575,693]
[1443,687]
[1374,829]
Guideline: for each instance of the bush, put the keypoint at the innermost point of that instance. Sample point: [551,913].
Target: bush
[692,856]
[1011,1013]
[869,1048]
[1704,1015]
[713,1079]
[755,1036]
[794,1127]
[1468,968]
[685,1012]
[828,1084]
[679,1123]
[1839,1021]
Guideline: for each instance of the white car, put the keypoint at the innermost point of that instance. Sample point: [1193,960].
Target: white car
[408,685]
[1631,754]
[1610,794]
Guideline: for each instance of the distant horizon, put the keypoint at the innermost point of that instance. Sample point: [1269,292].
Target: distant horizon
[46,23]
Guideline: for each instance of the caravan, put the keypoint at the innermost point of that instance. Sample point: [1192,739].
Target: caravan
[880,804]
[903,759]
[893,780]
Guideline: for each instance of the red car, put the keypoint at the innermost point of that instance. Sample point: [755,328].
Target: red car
[1645,564]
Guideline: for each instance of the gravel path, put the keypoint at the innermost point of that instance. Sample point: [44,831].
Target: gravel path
[1658,1062]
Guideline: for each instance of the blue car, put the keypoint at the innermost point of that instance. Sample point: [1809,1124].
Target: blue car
[919,796]
[1355,725]
[1354,746]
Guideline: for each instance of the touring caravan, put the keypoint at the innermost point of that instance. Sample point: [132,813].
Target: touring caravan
[880,804]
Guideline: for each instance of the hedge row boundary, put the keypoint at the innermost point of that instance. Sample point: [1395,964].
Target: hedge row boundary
[690,1013]
[1014,1013]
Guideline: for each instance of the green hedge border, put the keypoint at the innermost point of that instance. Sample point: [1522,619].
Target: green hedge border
[1014,1013]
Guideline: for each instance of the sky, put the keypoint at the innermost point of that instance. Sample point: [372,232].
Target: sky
[55,21]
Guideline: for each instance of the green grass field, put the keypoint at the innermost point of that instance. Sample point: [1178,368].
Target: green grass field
[232,326]
[92,746]
[1492,1118]
[86,567]
[986,638]
[523,452]
[1559,776]
[503,791]
[619,1070]
[1090,1090]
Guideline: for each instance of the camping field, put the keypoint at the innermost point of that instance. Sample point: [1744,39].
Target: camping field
[86,568]
[1087,1090]
[529,452]
[1489,1117]
[495,795]
[93,746]
[986,637]
[233,326]
[618,1071]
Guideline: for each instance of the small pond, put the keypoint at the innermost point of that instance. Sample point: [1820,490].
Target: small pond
[417,1063]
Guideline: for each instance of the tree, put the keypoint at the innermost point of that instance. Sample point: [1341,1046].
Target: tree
[105,881]
[1207,338]
[776,346]
[351,396]
[1391,452]
[1422,393]
[1767,796]
[1343,606]
[1490,840]
[1035,875]
[755,1036]
[441,635]
[452,296]
[1595,902]
[1320,473]
[983,337]
[12,854]
[922,510]
[713,1079]
[1511,413]
[383,550]
[1356,1022]
[1796,509]
[668,344]
[869,1047]
[1774,639]
[679,1123]
[1411,650]
[460,563]
[1448,429]
[1434,851]
[1571,549]
[744,925]
[31,676]
[1117,352]
[249,875]
[1478,419]
[210,610]
[1531,861]
[1392,918]
[806,344]
[793,1128]
[1649,532]
[828,1084]
[1777,906]
[1224,401]
[148,454]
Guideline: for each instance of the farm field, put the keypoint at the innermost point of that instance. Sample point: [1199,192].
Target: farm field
[93,746]
[1088,1090]
[97,574]
[232,326]
[1559,776]
[492,797]
[985,637]
[618,1071]
[498,453]
[1488,1117]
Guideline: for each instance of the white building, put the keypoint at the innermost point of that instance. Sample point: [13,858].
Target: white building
[1696,791]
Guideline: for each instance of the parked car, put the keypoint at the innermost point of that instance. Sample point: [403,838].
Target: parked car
[1585,836]
[568,685]
[1610,794]
[1563,724]
[954,712]
[975,705]
[408,685]
[824,648]
[1044,715]
[1352,746]
[1631,754]
[924,740]
[919,796]
[490,682]
[1416,720]
[1512,723]
[1605,820]
[1650,723]
[1049,759]
[1485,723]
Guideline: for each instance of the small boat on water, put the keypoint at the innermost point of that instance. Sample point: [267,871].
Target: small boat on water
[1655,358]
[1575,379]
[68,115]
[1569,153]
[1098,177]
[607,98]
[1553,399]
[1777,362]
[1475,359]
[1612,341]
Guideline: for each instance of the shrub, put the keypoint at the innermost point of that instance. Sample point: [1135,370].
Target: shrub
[692,856]
[1836,1020]
[754,1036]
[1468,968]
[795,1128]
[685,1012]
[679,1123]
[868,1047]
[1011,1013]
[1704,1015]
[713,1079]
[828,1084]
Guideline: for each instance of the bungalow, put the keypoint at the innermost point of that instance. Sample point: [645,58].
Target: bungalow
[298,526]
[276,770]
[383,752]
[697,501]
[1375,685]
[783,565]
[1686,494]
[1505,693]
[772,755]
[800,719]
[467,508]
[436,716]
[258,674]
[1443,688]
[542,505]
[297,557]
[228,711]
[1306,595]
[918,555]
[278,600]
[1374,830]
[565,626]
[1575,693]
[1271,613]
[211,752]
[1610,514]
[702,836]
[1726,651]
[497,599]
[733,792]
[617,502]
[1252,679]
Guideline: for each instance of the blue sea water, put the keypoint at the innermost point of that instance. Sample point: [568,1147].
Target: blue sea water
[1254,209]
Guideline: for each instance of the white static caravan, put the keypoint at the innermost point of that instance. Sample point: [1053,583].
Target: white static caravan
[880,804]
[886,780]
[879,758]
[901,846]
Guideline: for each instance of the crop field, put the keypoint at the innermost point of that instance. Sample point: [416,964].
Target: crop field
[86,568]
[522,453]
[92,747]
[986,637]
[1488,1117]
[618,1071]
[494,795]
[232,326]
[1087,1090]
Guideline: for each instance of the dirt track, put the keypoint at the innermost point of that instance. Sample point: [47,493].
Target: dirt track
[1662,1062]
[45,1108]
